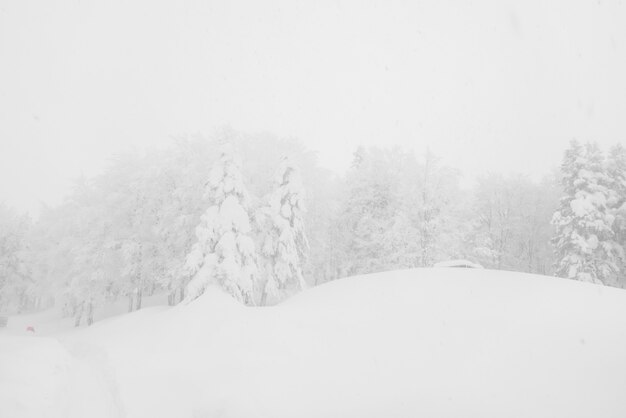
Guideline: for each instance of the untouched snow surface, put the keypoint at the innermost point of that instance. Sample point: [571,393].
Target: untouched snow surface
[428,342]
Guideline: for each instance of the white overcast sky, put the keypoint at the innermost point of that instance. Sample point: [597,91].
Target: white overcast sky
[489,85]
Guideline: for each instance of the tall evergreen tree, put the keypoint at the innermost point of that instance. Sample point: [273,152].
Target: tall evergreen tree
[616,170]
[285,243]
[224,252]
[584,243]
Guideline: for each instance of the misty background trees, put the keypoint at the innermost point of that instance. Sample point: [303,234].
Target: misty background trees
[258,216]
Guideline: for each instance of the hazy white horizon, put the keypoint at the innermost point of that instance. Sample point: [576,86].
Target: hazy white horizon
[489,86]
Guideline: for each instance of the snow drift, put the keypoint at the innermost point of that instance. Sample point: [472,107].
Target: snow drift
[427,342]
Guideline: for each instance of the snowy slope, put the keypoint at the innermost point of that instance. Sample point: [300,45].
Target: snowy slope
[431,342]
[49,321]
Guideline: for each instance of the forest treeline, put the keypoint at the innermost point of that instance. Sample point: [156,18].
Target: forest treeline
[258,216]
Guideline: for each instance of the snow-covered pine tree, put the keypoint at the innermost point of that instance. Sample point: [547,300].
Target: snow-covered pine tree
[616,170]
[284,242]
[584,243]
[569,259]
[224,252]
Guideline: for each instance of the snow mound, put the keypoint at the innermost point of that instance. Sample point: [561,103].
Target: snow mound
[458,263]
[426,342]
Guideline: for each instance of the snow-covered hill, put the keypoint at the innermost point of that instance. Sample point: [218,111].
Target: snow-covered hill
[429,342]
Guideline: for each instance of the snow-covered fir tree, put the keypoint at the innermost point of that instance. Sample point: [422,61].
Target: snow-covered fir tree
[584,244]
[616,170]
[285,242]
[224,253]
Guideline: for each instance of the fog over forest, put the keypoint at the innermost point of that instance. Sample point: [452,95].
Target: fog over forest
[312,209]
[259,215]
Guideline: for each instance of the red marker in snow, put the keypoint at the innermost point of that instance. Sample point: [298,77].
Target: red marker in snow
[30,328]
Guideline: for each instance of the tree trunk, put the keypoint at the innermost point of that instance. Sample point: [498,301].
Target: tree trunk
[90,314]
[130,303]
[78,315]
[139,296]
